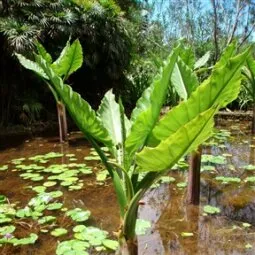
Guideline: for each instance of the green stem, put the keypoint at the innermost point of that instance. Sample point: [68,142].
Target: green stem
[117,182]
[127,180]
[53,92]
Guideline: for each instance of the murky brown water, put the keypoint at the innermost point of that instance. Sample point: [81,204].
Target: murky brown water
[165,206]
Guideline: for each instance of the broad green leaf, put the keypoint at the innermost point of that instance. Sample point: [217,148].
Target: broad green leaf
[220,88]
[31,65]
[250,63]
[70,59]
[142,104]
[169,151]
[83,115]
[147,112]
[42,52]
[202,61]
[228,53]
[109,113]
[249,73]
[183,79]
[188,57]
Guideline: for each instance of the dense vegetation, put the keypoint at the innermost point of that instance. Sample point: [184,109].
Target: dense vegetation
[115,66]
[124,44]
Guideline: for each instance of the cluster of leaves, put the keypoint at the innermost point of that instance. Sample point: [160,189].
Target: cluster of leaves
[145,143]
[45,207]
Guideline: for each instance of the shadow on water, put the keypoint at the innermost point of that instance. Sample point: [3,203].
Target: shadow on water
[175,227]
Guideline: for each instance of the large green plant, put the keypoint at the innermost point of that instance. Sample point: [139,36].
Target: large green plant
[249,84]
[145,146]
[68,62]
[185,81]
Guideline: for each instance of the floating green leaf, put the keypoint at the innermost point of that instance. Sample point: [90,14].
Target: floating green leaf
[249,167]
[72,247]
[58,232]
[46,219]
[78,214]
[211,209]
[186,234]
[54,206]
[111,244]
[49,184]
[3,168]
[226,180]
[7,229]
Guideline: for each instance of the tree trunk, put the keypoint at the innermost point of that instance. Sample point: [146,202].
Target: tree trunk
[194,177]
[253,120]
[62,122]
[215,31]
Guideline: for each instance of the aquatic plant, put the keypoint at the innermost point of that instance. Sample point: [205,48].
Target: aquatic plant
[249,85]
[146,146]
[68,62]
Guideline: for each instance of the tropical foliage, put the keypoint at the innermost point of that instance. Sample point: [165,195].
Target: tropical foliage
[144,147]
[69,61]
[249,84]
[23,23]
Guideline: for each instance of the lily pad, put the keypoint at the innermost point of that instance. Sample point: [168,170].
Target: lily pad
[76,187]
[27,240]
[208,168]
[7,229]
[78,214]
[54,206]
[3,168]
[220,160]
[46,219]
[39,189]
[36,179]
[226,179]
[111,244]
[102,175]
[250,179]
[186,234]
[3,199]
[94,236]
[59,232]
[79,228]
[248,246]
[88,158]
[70,155]
[246,225]
[249,167]
[167,179]
[72,247]
[211,209]
[49,184]
[181,184]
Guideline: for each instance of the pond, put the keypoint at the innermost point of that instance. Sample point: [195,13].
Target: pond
[56,192]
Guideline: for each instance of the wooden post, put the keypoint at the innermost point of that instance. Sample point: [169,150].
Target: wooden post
[194,177]
[62,122]
[253,120]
